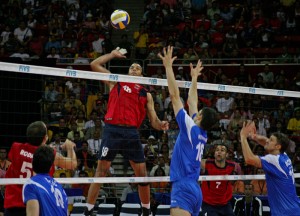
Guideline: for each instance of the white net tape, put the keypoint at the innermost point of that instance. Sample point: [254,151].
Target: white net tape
[139,179]
[21,68]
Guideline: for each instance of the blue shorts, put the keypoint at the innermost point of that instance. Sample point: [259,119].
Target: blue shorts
[186,194]
[123,140]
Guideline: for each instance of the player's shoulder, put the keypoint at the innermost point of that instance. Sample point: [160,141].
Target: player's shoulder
[17,145]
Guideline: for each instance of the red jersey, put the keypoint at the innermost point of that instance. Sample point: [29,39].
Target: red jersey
[217,192]
[20,156]
[126,105]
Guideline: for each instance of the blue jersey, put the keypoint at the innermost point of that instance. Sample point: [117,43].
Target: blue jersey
[188,149]
[282,196]
[49,193]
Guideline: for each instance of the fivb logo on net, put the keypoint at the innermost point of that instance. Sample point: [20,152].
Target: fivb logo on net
[113,77]
[153,81]
[71,73]
[221,88]
[24,68]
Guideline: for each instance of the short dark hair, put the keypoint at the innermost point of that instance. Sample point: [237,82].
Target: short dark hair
[209,118]
[283,140]
[221,144]
[43,159]
[36,132]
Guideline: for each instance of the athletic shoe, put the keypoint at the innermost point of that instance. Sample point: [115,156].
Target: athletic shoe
[146,212]
[89,212]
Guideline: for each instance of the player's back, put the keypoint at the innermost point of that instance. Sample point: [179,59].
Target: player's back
[188,149]
[20,156]
[280,180]
[50,195]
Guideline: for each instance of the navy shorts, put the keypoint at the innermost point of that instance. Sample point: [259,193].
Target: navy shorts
[123,140]
[186,194]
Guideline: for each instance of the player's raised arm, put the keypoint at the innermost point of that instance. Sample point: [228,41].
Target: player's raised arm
[250,158]
[97,65]
[69,162]
[168,60]
[193,94]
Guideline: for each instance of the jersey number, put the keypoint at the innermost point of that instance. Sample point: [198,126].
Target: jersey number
[58,197]
[200,148]
[26,170]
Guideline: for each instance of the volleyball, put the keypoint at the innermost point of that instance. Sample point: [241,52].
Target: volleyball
[119,19]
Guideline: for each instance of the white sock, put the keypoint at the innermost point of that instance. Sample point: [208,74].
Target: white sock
[147,206]
[90,206]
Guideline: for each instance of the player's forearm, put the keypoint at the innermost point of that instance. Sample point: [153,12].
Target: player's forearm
[262,140]
[247,152]
[193,94]
[71,158]
[97,64]
[172,84]
[156,123]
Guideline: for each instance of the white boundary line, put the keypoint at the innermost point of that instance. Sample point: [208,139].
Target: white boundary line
[31,69]
[70,180]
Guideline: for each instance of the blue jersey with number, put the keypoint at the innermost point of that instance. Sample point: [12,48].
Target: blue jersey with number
[282,196]
[188,149]
[48,192]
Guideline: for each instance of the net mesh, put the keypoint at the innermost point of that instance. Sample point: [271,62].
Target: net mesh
[70,97]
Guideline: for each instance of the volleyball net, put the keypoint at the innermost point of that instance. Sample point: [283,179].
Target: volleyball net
[208,91]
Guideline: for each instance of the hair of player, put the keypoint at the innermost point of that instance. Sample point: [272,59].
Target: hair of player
[43,159]
[36,132]
[209,118]
[283,140]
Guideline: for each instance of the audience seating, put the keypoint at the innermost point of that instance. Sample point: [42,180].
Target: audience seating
[130,209]
[163,210]
[266,210]
[78,209]
[106,209]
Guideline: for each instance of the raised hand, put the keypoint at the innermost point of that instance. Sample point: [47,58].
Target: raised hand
[249,129]
[68,145]
[196,71]
[166,56]
[118,53]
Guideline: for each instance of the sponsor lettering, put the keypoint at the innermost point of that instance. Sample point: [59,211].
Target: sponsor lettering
[153,81]
[187,84]
[71,73]
[252,90]
[221,87]
[24,68]
[280,93]
[113,77]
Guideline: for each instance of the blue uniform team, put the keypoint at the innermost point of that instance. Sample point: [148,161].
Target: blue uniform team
[185,165]
[283,199]
[186,195]
[49,193]
[41,194]
[282,196]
